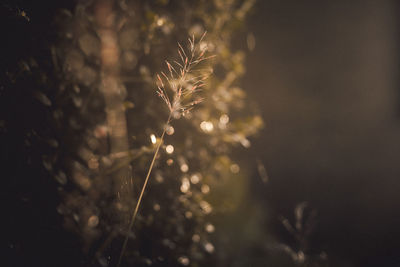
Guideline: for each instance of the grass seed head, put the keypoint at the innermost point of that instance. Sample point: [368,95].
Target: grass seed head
[183,83]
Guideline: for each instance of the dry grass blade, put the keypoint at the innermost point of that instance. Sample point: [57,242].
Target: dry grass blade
[182,86]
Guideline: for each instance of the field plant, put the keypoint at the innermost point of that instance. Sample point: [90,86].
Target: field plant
[298,248]
[96,132]
[184,80]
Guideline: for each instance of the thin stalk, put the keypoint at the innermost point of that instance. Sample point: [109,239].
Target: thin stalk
[142,192]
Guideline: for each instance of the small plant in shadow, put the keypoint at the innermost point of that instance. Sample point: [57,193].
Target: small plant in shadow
[178,89]
[300,231]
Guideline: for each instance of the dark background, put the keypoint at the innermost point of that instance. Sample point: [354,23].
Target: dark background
[325,76]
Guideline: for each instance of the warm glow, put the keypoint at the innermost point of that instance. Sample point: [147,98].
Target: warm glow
[206,126]
[196,238]
[209,247]
[235,168]
[93,221]
[188,214]
[195,178]
[170,130]
[185,186]
[169,149]
[210,228]
[153,138]
[205,206]
[184,260]
[205,189]
[184,167]
[224,119]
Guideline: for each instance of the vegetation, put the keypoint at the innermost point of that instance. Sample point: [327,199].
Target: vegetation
[86,124]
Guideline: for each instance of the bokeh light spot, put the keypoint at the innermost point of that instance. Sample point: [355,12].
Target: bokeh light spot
[185,186]
[209,247]
[184,260]
[206,126]
[169,149]
[210,228]
[234,168]
[184,167]
[153,138]
[205,189]
[93,221]
[195,178]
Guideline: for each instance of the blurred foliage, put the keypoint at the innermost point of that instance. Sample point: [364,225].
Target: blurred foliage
[59,132]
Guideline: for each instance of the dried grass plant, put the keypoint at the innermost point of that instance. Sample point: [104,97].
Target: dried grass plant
[178,89]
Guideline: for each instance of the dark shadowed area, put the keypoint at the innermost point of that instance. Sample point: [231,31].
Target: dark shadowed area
[325,75]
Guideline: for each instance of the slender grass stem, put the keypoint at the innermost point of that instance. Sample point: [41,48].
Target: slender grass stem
[142,192]
[176,105]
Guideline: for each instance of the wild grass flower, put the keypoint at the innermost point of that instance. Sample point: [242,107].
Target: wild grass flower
[184,79]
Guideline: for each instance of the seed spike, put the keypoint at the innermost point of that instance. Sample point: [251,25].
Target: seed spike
[201,38]
[180,54]
[181,79]
[170,69]
[183,51]
[160,80]
[177,63]
[191,44]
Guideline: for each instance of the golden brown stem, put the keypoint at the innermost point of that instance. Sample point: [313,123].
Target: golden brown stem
[142,192]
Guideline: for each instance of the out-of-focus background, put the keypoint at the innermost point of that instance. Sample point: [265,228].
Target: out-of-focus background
[325,75]
[314,184]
